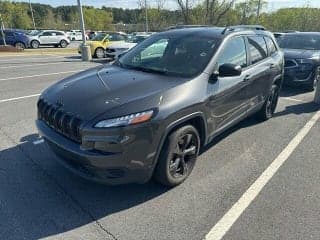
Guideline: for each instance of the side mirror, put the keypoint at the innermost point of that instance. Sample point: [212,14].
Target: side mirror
[229,70]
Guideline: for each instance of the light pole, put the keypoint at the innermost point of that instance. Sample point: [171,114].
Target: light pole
[146,9]
[258,10]
[2,28]
[317,94]
[85,49]
[34,24]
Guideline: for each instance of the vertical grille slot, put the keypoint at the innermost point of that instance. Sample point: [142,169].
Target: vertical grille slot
[65,123]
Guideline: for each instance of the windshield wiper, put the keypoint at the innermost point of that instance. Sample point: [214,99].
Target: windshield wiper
[150,70]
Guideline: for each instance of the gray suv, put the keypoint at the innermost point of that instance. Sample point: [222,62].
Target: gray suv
[150,112]
[49,38]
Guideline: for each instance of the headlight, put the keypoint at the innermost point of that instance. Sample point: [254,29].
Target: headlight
[125,120]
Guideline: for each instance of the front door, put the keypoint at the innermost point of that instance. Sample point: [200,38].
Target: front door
[228,100]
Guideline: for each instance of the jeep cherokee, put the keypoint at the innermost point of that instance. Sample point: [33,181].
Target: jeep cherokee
[150,112]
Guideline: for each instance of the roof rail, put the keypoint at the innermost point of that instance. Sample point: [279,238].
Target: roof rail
[242,27]
[180,26]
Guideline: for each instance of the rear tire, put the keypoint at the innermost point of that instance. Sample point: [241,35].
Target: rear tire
[270,104]
[178,156]
[63,44]
[20,45]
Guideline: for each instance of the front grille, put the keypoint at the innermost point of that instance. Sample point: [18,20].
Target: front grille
[65,123]
[290,63]
[110,50]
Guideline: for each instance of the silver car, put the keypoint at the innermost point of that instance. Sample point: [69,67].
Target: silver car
[49,38]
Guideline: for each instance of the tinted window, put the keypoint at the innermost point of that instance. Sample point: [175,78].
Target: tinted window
[271,46]
[8,34]
[300,41]
[116,37]
[257,49]
[46,34]
[234,52]
[59,33]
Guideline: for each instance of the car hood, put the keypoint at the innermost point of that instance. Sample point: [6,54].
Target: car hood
[299,53]
[98,90]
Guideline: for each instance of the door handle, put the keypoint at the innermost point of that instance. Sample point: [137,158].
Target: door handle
[247,78]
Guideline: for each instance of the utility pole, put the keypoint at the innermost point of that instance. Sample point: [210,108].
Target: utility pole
[146,9]
[2,28]
[258,10]
[85,49]
[34,24]
[317,93]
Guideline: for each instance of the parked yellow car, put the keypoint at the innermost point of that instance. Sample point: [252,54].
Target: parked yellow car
[101,41]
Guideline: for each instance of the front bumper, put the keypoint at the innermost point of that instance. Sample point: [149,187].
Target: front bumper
[128,159]
[301,75]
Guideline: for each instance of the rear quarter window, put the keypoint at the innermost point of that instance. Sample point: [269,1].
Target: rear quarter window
[271,46]
[257,49]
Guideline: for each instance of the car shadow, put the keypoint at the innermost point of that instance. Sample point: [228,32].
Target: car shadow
[250,121]
[289,91]
[37,191]
[297,109]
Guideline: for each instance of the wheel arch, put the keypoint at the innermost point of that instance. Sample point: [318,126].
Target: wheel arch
[196,119]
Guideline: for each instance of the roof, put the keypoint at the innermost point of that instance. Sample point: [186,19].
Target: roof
[218,32]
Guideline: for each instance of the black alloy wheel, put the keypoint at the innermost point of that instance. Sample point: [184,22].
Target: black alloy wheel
[270,104]
[178,156]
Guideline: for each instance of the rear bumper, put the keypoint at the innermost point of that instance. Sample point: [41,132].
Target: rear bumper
[117,167]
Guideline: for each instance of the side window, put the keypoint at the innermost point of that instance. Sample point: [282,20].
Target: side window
[59,33]
[155,50]
[46,34]
[271,46]
[234,52]
[257,48]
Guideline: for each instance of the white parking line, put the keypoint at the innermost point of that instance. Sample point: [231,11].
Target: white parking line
[39,75]
[30,57]
[226,222]
[19,98]
[293,99]
[38,64]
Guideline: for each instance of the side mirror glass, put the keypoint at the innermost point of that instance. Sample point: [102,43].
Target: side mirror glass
[229,70]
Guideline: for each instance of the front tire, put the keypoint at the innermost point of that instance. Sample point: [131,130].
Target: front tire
[35,44]
[99,53]
[178,156]
[63,44]
[270,105]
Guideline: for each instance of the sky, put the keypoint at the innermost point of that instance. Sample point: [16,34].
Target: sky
[170,4]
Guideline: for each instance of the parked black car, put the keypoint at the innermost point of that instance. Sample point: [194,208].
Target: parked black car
[149,113]
[302,58]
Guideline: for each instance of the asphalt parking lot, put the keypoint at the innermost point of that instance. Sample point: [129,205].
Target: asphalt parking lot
[39,199]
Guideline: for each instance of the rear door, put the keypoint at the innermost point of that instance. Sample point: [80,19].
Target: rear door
[228,101]
[259,72]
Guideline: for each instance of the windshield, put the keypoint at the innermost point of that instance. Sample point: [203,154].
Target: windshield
[306,42]
[136,39]
[179,55]
[99,37]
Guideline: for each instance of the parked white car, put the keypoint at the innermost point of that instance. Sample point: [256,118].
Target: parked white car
[115,49]
[75,36]
[47,38]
